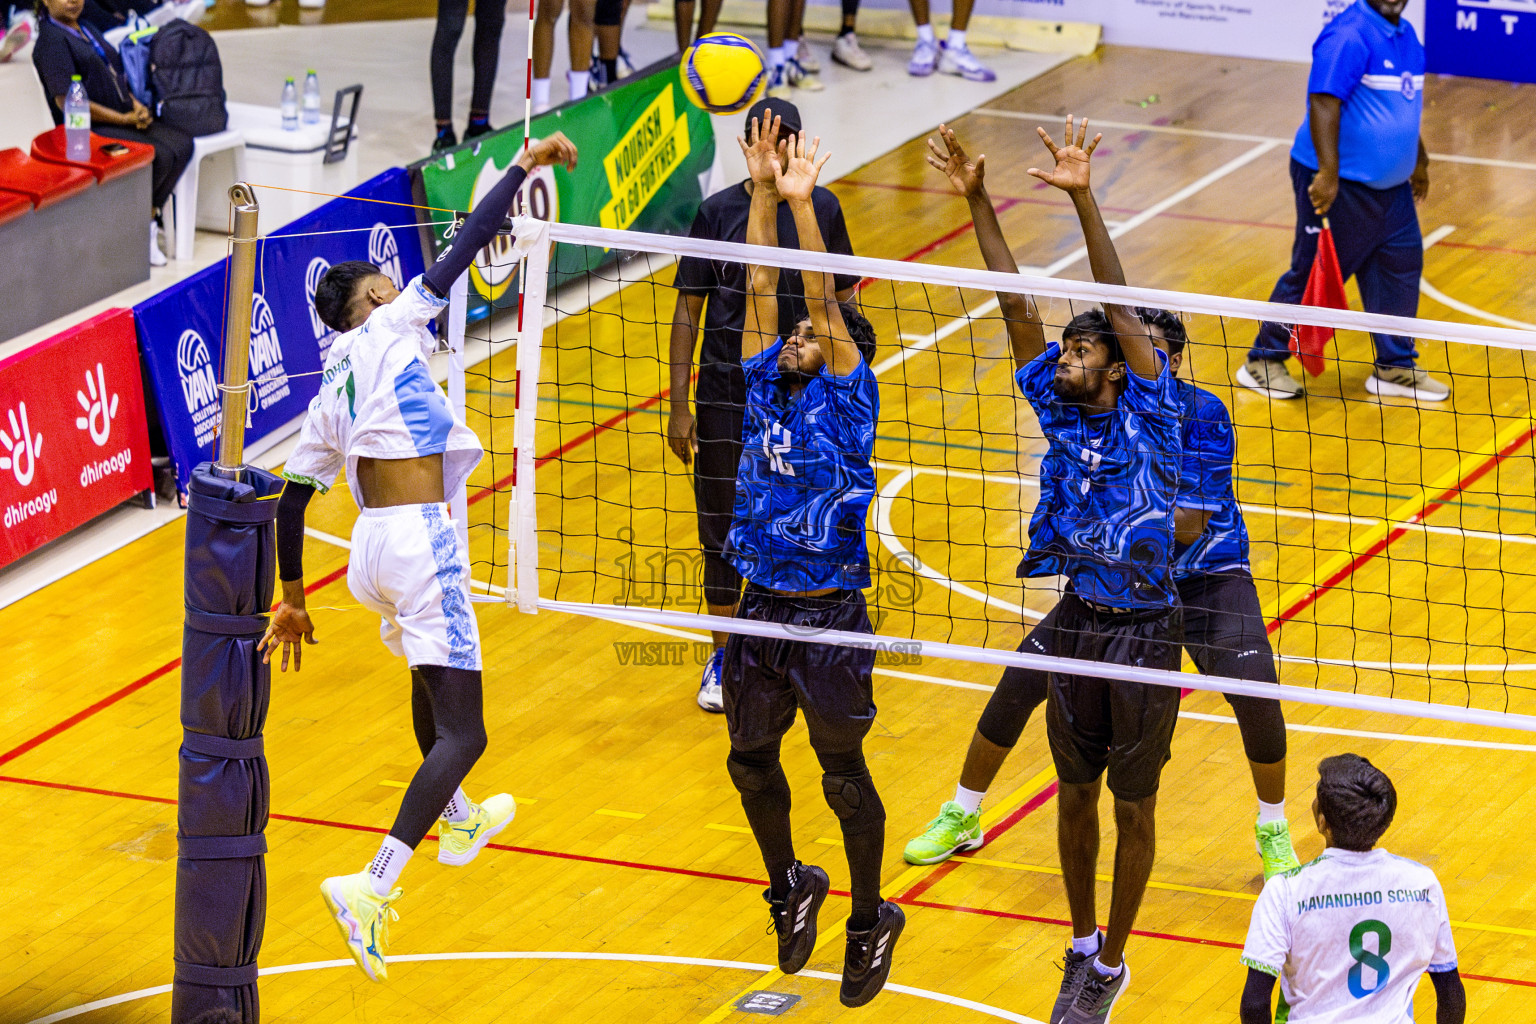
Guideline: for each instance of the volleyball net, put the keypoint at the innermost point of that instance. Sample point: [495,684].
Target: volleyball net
[1390,541]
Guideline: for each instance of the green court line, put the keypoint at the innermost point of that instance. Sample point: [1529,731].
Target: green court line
[1262,481]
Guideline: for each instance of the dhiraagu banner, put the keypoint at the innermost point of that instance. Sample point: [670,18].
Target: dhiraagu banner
[646,156]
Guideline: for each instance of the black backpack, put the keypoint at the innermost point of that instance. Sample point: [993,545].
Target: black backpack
[188,78]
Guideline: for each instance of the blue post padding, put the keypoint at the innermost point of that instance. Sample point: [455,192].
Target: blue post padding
[221,882]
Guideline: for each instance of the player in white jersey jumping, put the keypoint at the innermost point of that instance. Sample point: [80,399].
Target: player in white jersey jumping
[381,417]
[1350,934]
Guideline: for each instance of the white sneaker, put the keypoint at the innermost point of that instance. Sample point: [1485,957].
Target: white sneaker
[959,60]
[806,57]
[925,57]
[156,257]
[1270,377]
[846,51]
[1406,382]
[313,5]
[802,78]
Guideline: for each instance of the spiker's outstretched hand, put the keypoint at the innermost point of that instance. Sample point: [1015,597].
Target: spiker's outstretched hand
[1071,171]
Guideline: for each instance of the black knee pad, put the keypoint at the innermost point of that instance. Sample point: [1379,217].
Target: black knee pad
[1261,722]
[722,583]
[855,802]
[756,772]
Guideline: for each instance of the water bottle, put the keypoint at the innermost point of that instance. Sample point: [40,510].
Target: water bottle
[77,122]
[311,97]
[290,106]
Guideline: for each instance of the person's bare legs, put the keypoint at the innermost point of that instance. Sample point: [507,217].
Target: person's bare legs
[1135,847]
[1077,840]
[778,22]
[726,611]
[983,761]
[1269,781]
[545,16]
[682,23]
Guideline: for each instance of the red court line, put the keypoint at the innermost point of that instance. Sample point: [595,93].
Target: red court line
[133,687]
[1440,501]
[909,899]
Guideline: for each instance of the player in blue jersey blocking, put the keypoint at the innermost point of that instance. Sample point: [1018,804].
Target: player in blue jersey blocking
[1224,629]
[798,538]
[1109,408]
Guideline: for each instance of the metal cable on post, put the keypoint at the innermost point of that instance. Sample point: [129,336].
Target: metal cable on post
[237,330]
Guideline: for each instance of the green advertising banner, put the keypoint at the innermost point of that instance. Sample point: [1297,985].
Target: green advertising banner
[646,153]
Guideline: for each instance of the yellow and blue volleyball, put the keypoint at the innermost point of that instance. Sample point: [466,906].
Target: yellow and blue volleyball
[723,72]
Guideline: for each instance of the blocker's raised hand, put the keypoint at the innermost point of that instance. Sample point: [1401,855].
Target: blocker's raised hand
[1071,171]
[797,179]
[760,149]
[963,173]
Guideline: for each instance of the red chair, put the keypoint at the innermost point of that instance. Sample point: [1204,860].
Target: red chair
[49,147]
[13,206]
[42,183]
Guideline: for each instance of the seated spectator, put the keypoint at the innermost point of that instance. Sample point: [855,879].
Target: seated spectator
[67,47]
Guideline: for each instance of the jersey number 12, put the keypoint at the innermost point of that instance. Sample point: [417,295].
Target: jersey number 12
[774,448]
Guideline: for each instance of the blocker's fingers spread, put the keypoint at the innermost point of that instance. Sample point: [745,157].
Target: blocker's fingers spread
[1094,144]
[1045,137]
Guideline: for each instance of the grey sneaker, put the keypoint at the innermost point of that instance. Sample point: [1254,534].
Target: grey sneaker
[1072,967]
[1097,995]
[801,78]
[847,52]
[1406,382]
[806,57]
[1270,377]
[925,57]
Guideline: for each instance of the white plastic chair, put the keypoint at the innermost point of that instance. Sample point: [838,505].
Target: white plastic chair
[183,229]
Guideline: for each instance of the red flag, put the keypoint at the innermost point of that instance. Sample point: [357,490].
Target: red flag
[1325,288]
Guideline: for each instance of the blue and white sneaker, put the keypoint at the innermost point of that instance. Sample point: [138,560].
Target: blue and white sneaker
[959,60]
[710,697]
[925,57]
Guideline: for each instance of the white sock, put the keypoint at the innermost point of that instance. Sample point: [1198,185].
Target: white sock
[955,40]
[970,799]
[1087,946]
[577,80]
[1108,972]
[777,55]
[925,34]
[458,807]
[1271,812]
[541,92]
[387,864]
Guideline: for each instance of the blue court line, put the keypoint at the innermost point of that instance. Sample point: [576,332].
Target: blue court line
[1262,481]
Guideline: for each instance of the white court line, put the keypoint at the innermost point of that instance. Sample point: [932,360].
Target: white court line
[1202,133]
[927,341]
[1462,307]
[636,958]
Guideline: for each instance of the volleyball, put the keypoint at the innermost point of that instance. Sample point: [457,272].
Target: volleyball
[723,72]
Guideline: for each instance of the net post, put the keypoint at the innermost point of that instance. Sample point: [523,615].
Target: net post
[530,345]
[237,330]
[458,311]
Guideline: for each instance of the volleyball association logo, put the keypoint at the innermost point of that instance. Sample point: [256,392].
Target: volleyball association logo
[195,367]
[384,253]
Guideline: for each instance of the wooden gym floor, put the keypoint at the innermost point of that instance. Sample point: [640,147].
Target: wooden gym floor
[617,898]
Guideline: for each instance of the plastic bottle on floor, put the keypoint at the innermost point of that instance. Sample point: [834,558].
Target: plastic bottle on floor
[77,122]
[290,106]
[311,97]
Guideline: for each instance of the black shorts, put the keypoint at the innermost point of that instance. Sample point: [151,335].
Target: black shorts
[714,494]
[1095,724]
[766,679]
[1224,634]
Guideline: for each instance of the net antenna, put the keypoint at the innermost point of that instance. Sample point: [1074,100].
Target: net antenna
[606,495]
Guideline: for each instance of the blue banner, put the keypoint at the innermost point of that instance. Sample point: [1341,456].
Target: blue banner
[181,329]
[1482,38]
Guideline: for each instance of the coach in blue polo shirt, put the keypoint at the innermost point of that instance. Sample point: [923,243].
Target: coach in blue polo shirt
[1358,158]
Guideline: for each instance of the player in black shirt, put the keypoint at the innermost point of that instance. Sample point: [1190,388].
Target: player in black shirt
[713,293]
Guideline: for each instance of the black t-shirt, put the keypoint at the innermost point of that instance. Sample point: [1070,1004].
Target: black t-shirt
[723,218]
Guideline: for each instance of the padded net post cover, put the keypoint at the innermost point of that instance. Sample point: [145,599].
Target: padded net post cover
[223,787]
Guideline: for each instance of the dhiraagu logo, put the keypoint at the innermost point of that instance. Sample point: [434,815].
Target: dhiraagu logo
[495,266]
[654,147]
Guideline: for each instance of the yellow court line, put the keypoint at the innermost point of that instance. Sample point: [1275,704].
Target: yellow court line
[631,815]
[1229,894]
[730,828]
[392,784]
[906,879]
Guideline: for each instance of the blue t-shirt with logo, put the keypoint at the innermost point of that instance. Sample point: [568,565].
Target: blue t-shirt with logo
[1377,69]
[805,480]
[1108,483]
[1205,483]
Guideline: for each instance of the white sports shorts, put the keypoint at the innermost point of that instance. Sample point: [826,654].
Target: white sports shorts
[408,566]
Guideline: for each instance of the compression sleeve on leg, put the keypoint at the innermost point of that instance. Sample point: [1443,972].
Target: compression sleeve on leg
[290,529]
[476,233]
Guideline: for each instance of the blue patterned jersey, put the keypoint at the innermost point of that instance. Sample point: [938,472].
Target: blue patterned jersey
[805,481]
[1107,489]
[1205,483]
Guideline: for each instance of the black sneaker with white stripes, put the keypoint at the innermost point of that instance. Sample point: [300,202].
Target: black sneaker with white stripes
[868,962]
[794,918]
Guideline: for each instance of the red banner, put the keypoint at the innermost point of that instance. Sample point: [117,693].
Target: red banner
[73,436]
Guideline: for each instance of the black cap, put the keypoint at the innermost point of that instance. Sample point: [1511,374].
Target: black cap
[789,115]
